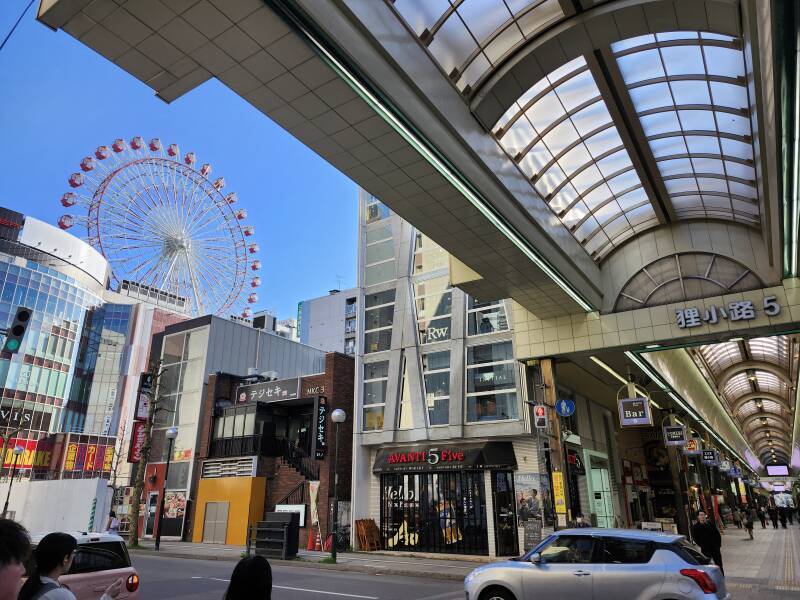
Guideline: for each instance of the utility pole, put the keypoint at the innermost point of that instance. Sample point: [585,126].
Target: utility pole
[138,486]
[557,462]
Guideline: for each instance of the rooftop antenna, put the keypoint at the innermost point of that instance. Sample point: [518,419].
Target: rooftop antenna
[339,281]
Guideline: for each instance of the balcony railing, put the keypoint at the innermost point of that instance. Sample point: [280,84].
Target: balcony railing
[248,445]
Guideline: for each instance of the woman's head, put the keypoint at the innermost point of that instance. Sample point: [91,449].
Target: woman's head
[52,558]
[251,579]
[112,514]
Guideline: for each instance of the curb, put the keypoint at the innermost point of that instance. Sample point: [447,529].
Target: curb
[306,564]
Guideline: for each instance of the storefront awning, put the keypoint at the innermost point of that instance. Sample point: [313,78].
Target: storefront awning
[445,457]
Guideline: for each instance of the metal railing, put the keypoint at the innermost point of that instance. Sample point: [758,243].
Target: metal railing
[239,446]
[298,458]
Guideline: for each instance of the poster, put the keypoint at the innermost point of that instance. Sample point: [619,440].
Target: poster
[558,493]
[174,505]
[528,497]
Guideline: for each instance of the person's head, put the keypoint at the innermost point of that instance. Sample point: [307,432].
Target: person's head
[702,517]
[15,546]
[112,514]
[52,557]
[534,493]
[579,518]
[252,578]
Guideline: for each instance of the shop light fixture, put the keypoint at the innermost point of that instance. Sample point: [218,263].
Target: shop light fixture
[445,169]
[736,339]
[619,377]
[652,346]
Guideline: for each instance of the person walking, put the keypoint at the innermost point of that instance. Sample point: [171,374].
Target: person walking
[737,517]
[773,515]
[762,516]
[251,580]
[707,536]
[113,523]
[750,516]
[53,558]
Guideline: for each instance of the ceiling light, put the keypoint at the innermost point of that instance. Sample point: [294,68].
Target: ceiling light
[752,377]
[651,346]
[769,434]
[736,339]
[764,420]
[759,403]
[608,369]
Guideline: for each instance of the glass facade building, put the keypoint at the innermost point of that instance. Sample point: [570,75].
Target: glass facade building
[36,382]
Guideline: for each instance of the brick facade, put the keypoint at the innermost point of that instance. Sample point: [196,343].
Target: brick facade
[337,385]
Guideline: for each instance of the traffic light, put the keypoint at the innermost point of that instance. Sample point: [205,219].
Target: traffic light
[540,416]
[16,332]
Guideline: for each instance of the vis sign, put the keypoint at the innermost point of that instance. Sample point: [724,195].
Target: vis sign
[635,412]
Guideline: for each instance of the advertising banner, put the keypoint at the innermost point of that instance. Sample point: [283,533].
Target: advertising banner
[558,493]
[313,493]
[137,442]
[36,453]
[269,391]
[709,457]
[143,397]
[321,445]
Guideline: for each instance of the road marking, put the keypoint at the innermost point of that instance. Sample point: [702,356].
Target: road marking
[296,589]
[284,587]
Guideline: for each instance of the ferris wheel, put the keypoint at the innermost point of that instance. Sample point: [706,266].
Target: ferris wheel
[162,222]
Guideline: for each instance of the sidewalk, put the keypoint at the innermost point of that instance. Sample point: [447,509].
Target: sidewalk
[374,563]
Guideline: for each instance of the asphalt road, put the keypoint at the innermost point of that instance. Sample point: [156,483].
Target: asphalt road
[164,577]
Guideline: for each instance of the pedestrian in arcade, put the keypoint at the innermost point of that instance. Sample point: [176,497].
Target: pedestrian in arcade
[737,517]
[250,580]
[762,516]
[707,536]
[773,515]
[53,558]
[750,516]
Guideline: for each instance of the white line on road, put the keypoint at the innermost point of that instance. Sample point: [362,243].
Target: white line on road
[296,589]
[283,587]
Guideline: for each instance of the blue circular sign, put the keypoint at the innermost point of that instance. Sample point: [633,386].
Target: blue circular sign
[565,408]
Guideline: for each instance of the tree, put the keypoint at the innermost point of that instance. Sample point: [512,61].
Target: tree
[138,487]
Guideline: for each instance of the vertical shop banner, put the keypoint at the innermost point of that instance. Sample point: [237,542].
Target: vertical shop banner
[108,459]
[143,397]
[313,494]
[137,442]
[558,493]
[322,428]
[742,492]
[70,456]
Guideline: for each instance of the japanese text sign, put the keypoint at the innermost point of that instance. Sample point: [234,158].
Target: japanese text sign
[674,435]
[709,457]
[742,310]
[269,391]
[322,427]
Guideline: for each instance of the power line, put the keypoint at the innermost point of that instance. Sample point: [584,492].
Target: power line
[27,8]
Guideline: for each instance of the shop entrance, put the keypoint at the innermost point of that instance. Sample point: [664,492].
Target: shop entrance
[291,421]
[150,516]
[435,512]
[505,518]
[600,497]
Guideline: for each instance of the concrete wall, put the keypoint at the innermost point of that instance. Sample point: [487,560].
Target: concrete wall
[59,504]
[322,322]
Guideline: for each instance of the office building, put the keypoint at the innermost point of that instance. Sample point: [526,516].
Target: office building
[329,322]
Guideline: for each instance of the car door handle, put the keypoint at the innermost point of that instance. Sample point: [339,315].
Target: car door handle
[581,573]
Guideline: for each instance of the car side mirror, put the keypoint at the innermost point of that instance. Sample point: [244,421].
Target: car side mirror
[537,559]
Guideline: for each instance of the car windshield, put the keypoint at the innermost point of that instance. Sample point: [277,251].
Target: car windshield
[689,553]
[537,548]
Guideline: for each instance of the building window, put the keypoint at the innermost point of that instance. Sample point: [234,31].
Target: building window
[428,255]
[486,317]
[376,378]
[379,264]
[434,302]
[350,346]
[376,210]
[350,307]
[350,325]
[491,383]
[436,371]
[378,319]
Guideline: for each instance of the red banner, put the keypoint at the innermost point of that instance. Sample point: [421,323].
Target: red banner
[89,456]
[137,442]
[36,453]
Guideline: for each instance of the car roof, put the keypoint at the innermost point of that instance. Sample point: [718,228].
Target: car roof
[634,534]
[83,537]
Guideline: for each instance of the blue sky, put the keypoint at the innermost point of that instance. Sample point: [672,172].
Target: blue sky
[60,100]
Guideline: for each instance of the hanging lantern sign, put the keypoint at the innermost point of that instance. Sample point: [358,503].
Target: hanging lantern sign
[674,435]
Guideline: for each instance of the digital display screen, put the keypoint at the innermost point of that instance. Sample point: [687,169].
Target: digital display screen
[778,488]
[777,470]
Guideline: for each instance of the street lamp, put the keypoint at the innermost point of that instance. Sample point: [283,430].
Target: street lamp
[171,434]
[18,450]
[338,417]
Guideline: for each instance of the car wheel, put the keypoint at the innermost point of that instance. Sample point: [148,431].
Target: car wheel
[497,593]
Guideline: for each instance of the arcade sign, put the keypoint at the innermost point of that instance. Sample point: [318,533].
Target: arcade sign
[709,457]
[635,412]
[674,435]
[693,447]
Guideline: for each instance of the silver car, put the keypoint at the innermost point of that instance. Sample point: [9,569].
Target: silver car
[602,563]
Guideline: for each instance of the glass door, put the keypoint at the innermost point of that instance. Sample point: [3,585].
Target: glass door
[505,515]
[150,516]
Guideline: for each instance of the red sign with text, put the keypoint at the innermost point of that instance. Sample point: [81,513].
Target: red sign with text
[137,442]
